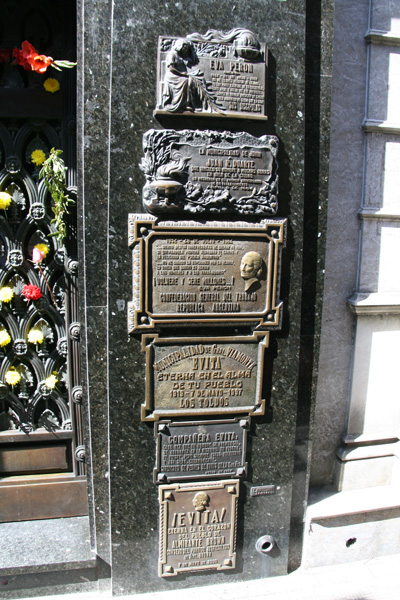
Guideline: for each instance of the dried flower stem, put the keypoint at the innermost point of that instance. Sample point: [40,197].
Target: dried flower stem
[48,286]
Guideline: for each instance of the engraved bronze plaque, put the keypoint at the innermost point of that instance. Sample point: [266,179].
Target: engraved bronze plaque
[205,273]
[209,171]
[217,74]
[198,526]
[200,376]
[200,449]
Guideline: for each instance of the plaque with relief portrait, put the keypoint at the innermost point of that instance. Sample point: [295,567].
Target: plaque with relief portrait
[205,273]
[198,527]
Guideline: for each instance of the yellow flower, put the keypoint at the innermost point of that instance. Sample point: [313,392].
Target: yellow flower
[35,336]
[5,200]
[43,248]
[4,337]
[12,376]
[51,381]
[6,294]
[38,157]
[51,85]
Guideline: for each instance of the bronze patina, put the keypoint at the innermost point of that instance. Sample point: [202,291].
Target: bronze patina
[203,376]
[188,450]
[219,74]
[210,172]
[198,526]
[205,273]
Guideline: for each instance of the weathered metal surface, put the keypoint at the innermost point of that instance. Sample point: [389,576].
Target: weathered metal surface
[203,376]
[200,449]
[205,273]
[217,74]
[198,527]
[262,490]
[209,171]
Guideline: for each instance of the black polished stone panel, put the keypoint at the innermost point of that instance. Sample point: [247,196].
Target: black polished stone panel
[94,51]
[136,27]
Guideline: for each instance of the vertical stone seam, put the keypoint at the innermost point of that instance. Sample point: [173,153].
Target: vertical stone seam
[108,270]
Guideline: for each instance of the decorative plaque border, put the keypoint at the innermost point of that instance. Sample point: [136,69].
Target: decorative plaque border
[249,374]
[146,312]
[198,526]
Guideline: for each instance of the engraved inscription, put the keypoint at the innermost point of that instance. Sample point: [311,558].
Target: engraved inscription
[198,527]
[215,74]
[209,275]
[203,448]
[262,490]
[205,376]
[210,171]
[205,272]
[196,377]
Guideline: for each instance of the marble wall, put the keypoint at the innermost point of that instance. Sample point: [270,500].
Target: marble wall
[117,82]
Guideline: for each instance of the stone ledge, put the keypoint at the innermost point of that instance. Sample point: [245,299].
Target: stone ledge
[375,126]
[375,303]
[387,38]
[326,502]
[378,214]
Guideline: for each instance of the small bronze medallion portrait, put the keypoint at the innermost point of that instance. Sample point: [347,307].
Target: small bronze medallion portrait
[251,268]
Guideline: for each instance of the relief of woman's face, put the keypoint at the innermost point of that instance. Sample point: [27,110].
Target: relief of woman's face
[248,267]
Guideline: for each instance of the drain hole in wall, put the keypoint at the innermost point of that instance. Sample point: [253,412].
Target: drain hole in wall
[350,542]
[266,546]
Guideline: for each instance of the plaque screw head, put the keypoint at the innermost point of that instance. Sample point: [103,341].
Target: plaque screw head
[231,489]
[244,423]
[169,569]
[227,562]
[143,320]
[169,496]
[270,317]
[162,477]
[163,429]
[275,233]
[144,231]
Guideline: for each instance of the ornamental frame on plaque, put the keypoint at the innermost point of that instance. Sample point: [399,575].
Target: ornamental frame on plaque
[209,273]
[195,450]
[216,74]
[198,523]
[199,376]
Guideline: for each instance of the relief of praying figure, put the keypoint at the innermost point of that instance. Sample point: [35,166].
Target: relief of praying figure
[185,89]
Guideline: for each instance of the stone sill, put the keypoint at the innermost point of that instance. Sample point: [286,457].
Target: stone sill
[375,126]
[388,38]
[375,303]
[326,502]
[378,214]
[45,545]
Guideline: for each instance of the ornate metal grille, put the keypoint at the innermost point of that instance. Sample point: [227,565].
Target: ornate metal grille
[40,402]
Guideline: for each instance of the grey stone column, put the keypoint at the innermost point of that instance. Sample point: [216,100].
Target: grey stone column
[369,452]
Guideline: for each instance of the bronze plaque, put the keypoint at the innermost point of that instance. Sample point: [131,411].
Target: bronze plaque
[201,449]
[200,376]
[198,526]
[205,273]
[209,171]
[216,74]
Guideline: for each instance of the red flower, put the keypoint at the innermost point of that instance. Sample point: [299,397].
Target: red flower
[40,62]
[30,60]
[31,292]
